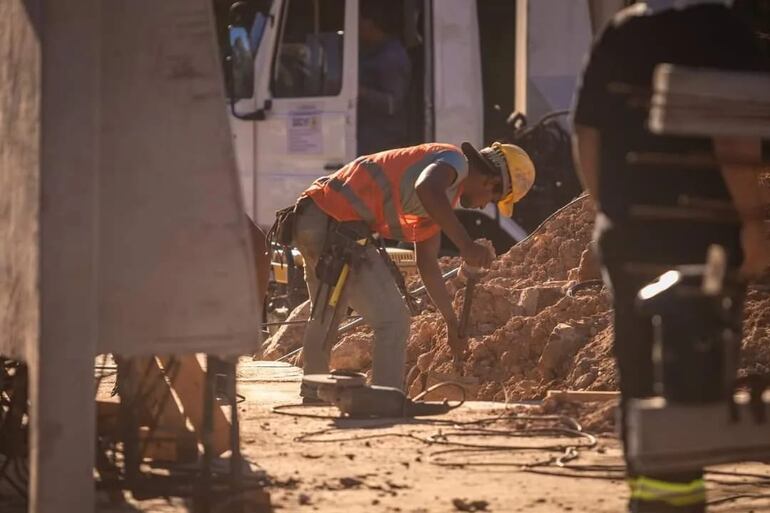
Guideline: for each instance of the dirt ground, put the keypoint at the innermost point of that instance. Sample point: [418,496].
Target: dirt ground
[396,472]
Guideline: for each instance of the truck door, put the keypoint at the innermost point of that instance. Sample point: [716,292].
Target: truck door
[306,86]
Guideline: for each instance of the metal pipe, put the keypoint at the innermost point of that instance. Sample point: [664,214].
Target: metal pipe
[283,323]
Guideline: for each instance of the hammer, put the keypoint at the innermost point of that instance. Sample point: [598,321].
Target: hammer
[472,278]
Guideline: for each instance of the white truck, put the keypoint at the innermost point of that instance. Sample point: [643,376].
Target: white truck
[292,73]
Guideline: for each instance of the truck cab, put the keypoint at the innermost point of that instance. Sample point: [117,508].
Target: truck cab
[292,71]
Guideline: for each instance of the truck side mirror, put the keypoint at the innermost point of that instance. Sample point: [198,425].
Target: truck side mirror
[240,64]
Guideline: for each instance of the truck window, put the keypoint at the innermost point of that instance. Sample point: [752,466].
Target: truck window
[308,59]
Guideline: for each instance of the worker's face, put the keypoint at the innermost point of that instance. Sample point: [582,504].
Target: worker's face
[480,190]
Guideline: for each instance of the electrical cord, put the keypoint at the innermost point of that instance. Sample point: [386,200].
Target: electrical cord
[556,466]
[444,438]
[583,285]
[438,386]
[733,498]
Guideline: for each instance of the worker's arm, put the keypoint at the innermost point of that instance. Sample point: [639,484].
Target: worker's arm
[431,188]
[586,145]
[427,264]
[741,166]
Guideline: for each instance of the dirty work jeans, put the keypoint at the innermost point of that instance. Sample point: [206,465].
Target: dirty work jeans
[370,290]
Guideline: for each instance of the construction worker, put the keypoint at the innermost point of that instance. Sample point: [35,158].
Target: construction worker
[406,194]
[652,215]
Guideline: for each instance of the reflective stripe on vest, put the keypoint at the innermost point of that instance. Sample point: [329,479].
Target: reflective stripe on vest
[369,189]
[676,494]
[391,216]
[355,202]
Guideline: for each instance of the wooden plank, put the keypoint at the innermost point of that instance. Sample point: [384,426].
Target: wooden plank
[189,386]
[710,102]
[20,96]
[582,396]
[160,405]
[738,87]
[161,444]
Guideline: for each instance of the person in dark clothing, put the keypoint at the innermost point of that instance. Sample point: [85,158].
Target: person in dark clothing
[384,75]
[649,214]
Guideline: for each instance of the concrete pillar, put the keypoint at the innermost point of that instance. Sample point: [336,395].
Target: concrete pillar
[61,370]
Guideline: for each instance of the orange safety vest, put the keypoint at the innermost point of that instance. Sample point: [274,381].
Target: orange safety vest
[368,189]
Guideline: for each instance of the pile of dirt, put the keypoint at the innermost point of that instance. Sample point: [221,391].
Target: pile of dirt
[540,320]
[531,329]
[527,333]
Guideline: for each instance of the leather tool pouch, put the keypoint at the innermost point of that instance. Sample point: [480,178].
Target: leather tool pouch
[282,231]
[283,227]
[341,248]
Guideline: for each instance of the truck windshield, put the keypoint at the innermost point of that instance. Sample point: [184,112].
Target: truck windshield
[308,61]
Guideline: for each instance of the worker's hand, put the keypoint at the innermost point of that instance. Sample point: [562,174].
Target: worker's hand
[477,255]
[756,249]
[457,344]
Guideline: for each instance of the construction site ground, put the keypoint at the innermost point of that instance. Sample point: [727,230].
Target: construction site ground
[396,473]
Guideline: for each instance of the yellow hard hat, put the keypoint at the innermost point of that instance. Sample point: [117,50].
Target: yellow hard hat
[513,164]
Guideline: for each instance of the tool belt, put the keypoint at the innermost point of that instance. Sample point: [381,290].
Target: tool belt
[344,249]
[282,231]
[342,246]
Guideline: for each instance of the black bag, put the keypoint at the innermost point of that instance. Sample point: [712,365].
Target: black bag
[282,231]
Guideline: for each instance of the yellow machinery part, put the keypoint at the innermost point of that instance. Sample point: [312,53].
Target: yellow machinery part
[403,258]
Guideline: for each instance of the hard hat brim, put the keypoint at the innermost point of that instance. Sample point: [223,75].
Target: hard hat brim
[478,159]
[505,207]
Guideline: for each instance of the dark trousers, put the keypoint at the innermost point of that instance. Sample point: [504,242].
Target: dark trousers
[632,255]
